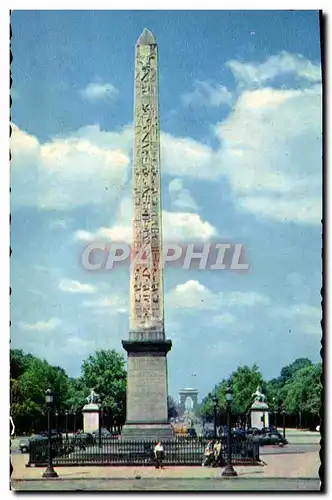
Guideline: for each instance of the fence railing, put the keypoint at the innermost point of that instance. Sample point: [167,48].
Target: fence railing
[89,451]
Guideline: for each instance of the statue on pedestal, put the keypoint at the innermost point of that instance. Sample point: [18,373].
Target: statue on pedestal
[259,396]
[93,397]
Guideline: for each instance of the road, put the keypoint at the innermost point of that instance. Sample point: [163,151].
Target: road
[172,485]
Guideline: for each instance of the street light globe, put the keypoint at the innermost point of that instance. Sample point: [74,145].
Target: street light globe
[214,401]
[49,396]
[229,396]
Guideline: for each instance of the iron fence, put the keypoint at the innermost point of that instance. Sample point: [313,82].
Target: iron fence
[76,452]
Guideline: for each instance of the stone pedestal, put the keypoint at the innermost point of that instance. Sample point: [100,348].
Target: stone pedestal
[147,410]
[90,417]
[259,415]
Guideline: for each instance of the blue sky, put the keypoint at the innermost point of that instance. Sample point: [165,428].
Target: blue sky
[240,111]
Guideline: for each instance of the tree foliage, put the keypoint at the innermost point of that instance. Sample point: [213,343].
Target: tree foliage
[298,388]
[31,377]
[105,373]
[303,390]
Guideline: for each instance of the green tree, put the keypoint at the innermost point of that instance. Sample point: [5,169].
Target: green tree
[105,373]
[30,378]
[19,362]
[288,371]
[244,382]
[302,392]
[76,394]
[40,376]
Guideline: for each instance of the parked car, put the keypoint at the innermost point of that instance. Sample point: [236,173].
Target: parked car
[270,438]
[24,445]
[43,436]
[83,439]
[105,434]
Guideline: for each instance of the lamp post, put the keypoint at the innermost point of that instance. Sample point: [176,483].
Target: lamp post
[229,471]
[214,402]
[49,472]
[73,413]
[284,424]
[99,419]
[66,423]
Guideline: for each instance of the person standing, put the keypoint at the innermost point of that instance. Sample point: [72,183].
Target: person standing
[216,452]
[208,454]
[159,455]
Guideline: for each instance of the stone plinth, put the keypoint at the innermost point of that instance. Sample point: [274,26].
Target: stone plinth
[90,417]
[147,410]
[259,415]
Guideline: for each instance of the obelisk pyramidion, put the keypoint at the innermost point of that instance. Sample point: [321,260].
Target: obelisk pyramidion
[147,347]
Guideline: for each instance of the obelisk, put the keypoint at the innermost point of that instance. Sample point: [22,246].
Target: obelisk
[147,347]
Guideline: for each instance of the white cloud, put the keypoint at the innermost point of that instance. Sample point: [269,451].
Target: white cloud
[88,167]
[97,91]
[281,64]
[50,324]
[304,317]
[194,295]
[270,147]
[183,156]
[305,210]
[177,227]
[181,197]
[72,286]
[112,304]
[271,153]
[300,310]
[183,226]
[208,94]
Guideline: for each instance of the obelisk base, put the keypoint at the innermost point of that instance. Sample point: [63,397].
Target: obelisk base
[147,432]
[147,408]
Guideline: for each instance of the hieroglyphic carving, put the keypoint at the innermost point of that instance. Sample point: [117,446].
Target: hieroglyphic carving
[146,279]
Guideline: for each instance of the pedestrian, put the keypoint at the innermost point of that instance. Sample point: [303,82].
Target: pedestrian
[208,454]
[216,452]
[159,455]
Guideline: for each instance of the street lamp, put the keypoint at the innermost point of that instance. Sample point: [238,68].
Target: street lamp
[214,402]
[275,410]
[229,471]
[73,413]
[99,418]
[66,423]
[49,472]
[284,424]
